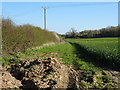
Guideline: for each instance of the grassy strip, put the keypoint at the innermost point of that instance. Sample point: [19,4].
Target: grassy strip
[66,51]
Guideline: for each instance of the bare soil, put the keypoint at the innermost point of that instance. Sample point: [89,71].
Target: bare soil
[50,73]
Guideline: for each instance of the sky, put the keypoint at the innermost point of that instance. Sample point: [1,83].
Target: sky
[62,16]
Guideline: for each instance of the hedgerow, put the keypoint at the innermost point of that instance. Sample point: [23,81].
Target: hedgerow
[19,38]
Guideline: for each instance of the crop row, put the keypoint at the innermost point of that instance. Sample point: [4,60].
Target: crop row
[102,50]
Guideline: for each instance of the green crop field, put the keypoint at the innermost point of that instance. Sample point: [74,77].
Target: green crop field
[101,50]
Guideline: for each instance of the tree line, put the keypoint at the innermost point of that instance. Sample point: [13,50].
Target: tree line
[111,31]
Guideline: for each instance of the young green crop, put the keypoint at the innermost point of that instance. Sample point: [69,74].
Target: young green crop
[102,50]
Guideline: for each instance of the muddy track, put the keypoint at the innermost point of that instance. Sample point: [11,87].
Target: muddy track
[50,73]
[43,73]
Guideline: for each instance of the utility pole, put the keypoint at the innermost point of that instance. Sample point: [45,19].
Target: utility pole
[44,8]
[45,18]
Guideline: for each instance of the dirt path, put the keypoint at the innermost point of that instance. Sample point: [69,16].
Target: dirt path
[39,73]
[50,73]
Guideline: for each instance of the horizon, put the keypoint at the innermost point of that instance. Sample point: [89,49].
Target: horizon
[81,16]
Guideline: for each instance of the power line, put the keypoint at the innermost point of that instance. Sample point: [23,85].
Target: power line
[27,12]
[58,6]
[79,5]
[72,5]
